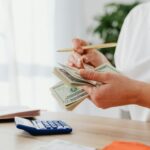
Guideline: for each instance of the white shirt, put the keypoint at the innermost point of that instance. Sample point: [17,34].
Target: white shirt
[132,55]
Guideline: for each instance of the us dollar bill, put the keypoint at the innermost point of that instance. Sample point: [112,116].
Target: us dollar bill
[72,77]
[68,96]
[106,68]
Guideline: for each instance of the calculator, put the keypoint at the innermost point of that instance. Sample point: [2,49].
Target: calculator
[42,127]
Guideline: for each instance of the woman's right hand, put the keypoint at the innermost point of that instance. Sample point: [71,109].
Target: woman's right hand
[87,56]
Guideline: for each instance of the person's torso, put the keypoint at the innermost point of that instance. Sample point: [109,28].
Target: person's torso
[132,55]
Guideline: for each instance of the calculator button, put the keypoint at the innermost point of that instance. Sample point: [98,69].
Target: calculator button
[52,124]
[46,125]
[59,126]
[63,124]
[40,125]
[35,125]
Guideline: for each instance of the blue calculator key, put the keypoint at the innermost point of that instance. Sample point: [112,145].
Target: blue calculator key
[47,125]
[40,125]
[59,126]
[64,124]
[52,124]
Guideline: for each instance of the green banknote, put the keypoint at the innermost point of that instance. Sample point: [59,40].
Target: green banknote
[68,95]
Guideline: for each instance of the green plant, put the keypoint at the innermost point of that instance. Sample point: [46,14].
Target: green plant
[110,23]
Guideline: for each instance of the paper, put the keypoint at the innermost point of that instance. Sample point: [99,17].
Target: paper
[64,145]
[9,112]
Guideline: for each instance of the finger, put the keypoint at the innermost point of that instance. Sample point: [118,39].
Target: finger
[85,59]
[77,59]
[71,59]
[90,91]
[77,44]
[72,62]
[93,75]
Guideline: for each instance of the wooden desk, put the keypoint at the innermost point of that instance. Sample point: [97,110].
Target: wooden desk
[87,130]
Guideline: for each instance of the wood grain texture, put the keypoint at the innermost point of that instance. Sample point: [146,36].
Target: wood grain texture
[87,130]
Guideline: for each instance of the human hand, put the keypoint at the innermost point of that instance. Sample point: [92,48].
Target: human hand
[89,56]
[116,89]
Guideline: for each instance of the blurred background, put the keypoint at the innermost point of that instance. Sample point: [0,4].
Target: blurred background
[32,30]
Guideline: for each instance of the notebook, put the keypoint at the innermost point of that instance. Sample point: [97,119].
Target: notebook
[9,112]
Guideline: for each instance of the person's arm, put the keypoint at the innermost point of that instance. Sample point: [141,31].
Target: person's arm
[90,56]
[116,90]
[144,95]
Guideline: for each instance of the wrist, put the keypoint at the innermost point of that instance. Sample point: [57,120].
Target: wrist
[142,94]
[138,93]
[135,95]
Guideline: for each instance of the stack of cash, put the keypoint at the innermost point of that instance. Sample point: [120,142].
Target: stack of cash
[68,96]
[68,91]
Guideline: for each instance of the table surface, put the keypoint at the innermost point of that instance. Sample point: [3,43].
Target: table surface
[91,131]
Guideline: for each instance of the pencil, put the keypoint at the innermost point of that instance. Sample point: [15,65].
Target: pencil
[104,45]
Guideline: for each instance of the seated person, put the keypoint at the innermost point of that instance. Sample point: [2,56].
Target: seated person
[132,59]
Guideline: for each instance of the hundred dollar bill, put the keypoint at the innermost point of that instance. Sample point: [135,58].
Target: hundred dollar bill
[74,72]
[71,78]
[68,96]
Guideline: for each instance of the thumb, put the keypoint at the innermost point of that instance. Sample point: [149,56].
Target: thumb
[93,75]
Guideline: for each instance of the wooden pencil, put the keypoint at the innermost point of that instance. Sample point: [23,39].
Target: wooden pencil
[98,46]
